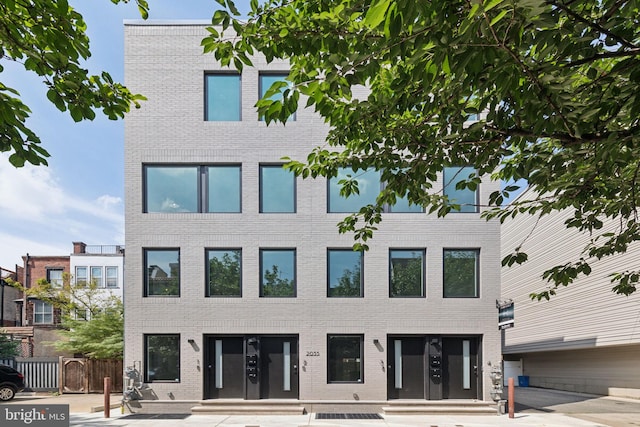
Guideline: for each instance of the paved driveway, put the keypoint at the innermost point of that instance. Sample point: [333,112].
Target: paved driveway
[614,412]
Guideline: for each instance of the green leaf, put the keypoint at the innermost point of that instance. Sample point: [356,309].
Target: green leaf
[498,17]
[490,4]
[376,13]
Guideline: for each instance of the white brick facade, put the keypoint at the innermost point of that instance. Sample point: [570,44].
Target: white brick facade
[166,64]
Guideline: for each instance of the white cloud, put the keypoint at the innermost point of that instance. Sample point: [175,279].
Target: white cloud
[41,217]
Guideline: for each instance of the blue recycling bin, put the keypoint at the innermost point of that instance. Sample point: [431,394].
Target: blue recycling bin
[523,380]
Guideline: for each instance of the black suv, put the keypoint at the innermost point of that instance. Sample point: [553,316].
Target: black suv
[11,382]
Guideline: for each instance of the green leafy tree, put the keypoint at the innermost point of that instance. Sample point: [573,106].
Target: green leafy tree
[274,285]
[8,346]
[224,275]
[48,38]
[98,337]
[553,85]
[92,320]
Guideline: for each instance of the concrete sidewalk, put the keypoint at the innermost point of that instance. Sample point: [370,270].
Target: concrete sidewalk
[87,411]
[520,420]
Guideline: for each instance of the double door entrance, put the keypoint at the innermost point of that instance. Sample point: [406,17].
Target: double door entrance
[433,367]
[251,367]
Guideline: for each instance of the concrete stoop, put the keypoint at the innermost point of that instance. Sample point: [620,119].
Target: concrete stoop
[296,407]
[440,407]
[248,407]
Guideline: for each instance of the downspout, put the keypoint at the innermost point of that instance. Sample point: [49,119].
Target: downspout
[24,296]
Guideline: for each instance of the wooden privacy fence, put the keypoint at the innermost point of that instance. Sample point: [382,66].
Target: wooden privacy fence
[78,375]
[67,375]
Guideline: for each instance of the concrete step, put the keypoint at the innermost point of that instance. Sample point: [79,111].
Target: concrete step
[248,407]
[440,407]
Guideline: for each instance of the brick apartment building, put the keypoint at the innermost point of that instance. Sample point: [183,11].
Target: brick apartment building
[238,282]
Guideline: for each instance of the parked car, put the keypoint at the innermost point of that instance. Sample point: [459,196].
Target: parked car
[11,382]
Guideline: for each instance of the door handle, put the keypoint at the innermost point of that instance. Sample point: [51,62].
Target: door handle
[295,369]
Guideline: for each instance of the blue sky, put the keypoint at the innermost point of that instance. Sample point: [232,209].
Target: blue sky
[80,196]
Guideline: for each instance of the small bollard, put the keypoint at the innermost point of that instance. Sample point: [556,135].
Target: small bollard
[107,397]
[512,401]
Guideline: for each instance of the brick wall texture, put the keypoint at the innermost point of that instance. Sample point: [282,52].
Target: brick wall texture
[166,64]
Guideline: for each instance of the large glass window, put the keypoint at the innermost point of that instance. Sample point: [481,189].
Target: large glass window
[171,189]
[178,188]
[266,80]
[277,189]
[461,273]
[403,206]
[81,276]
[277,272]
[162,272]
[344,358]
[96,276]
[112,277]
[466,199]
[42,313]
[224,188]
[368,190]
[224,272]
[54,276]
[406,272]
[223,94]
[344,275]
[162,358]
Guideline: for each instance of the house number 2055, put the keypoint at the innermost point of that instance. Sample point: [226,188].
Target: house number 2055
[313,353]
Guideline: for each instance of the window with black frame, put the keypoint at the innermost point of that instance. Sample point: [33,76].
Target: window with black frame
[460,272]
[344,275]
[277,190]
[406,272]
[224,273]
[162,272]
[162,357]
[344,358]
[223,97]
[277,272]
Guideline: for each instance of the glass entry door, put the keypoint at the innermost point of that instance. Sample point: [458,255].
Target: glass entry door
[278,367]
[406,368]
[460,368]
[225,368]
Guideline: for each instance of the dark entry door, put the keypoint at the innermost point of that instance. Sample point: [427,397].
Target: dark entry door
[405,368]
[460,368]
[278,367]
[225,373]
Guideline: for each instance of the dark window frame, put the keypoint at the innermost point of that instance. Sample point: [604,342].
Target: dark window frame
[329,250]
[331,380]
[206,94]
[261,166]
[476,272]
[51,269]
[147,378]
[207,290]
[423,278]
[202,186]
[295,272]
[145,272]
[262,90]
[386,208]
